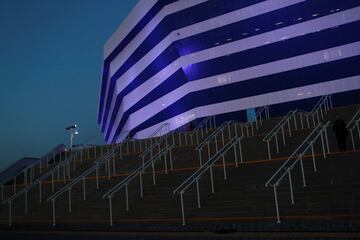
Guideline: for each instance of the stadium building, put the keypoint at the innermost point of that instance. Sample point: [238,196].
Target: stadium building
[280,80]
[179,61]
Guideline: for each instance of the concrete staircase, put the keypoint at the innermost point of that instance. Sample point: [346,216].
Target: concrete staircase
[331,193]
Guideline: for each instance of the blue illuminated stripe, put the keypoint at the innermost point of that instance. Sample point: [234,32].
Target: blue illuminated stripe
[277,82]
[138,27]
[293,47]
[171,22]
[204,40]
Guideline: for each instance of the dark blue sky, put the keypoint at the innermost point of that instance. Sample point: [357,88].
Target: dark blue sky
[50,69]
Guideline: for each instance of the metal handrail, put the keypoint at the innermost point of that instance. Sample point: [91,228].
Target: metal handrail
[25,171]
[104,158]
[138,172]
[278,126]
[206,122]
[259,112]
[354,123]
[211,136]
[152,147]
[297,156]
[324,101]
[159,129]
[206,166]
[38,180]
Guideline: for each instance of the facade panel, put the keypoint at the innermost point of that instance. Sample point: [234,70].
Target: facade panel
[183,60]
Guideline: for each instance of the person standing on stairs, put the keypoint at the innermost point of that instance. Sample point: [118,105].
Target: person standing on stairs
[341,132]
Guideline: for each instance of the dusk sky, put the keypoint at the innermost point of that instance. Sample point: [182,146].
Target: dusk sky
[50,70]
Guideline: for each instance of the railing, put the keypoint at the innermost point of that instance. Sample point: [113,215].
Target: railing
[322,106]
[138,172]
[156,145]
[82,177]
[29,173]
[207,166]
[161,130]
[282,125]
[264,110]
[354,123]
[211,137]
[202,128]
[297,156]
[39,181]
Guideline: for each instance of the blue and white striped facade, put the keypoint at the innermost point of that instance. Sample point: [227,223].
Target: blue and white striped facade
[178,60]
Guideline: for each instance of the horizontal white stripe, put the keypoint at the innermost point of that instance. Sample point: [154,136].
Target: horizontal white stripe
[145,32]
[141,36]
[213,23]
[136,14]
[331,87]
[244,44]
[297,62]
[238,46]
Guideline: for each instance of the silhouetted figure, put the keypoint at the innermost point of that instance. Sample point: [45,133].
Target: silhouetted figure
[190,126]
[341,132]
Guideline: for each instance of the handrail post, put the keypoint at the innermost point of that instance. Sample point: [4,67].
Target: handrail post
[109,169]
[352,139]
[171,162]
[153,172]
[198,193]
[127,197]
[182,209]
[69,199]
[252,128]
[302,171]
[236,158]
[229,130]
[276,205]
[307,120]
[84,188]
[165,164]
[110,209]
[323,146]
[200,160]
[53,212]
[114,166]
[301,121]
[97,178]
[222,134]
[269,153]
[283,135]
[289,128]
[326,140]
[295,123]
[240,149]
[291,187]
[141,186]
[313,157]
[224,166]
[276,143]
[212,180]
